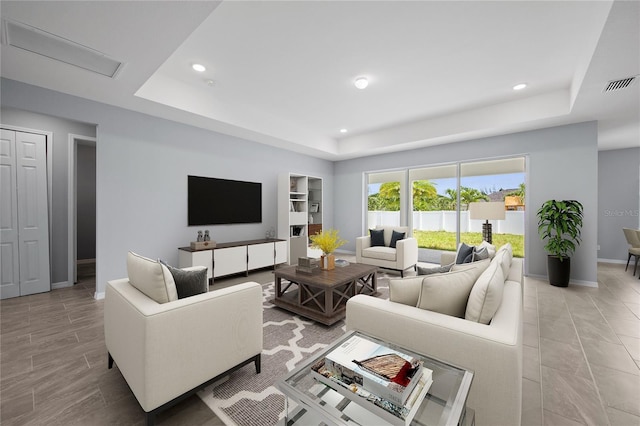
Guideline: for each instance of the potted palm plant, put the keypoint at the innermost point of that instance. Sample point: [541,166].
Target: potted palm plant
[328,241]
[560,223]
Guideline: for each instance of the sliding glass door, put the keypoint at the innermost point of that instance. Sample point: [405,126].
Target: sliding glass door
[385,198]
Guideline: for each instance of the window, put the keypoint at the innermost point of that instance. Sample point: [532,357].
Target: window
[385,198]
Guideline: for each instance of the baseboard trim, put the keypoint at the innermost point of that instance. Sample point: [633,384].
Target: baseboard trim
[576,282]
[61,284]
[98,296]
[622,262]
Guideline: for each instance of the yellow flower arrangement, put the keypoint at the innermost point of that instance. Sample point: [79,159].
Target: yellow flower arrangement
[328,241]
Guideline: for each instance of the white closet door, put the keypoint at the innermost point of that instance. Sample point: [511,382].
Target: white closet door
[9,253]
[24,214]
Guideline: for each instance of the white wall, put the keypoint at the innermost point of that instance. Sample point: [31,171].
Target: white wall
[141,176]
[618,189]
[563,164]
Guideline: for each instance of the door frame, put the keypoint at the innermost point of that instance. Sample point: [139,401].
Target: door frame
[72,207]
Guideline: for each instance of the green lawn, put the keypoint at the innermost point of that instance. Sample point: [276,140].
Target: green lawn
[442,240]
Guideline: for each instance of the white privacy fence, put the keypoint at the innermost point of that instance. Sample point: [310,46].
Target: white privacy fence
[445,220]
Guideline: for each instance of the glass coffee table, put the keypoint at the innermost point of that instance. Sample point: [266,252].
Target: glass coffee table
[310,402]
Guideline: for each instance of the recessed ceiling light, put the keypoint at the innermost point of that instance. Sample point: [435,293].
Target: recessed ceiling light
[520,86]
[361,82]
[343,130]
[198,67]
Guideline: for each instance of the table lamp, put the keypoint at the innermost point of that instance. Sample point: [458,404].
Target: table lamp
[487,211]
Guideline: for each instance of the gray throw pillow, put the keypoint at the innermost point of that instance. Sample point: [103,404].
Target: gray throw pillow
[480,254]
[465,254]
[189,283]
[435,270]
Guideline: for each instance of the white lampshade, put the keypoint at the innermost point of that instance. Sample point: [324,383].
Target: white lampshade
[487,210]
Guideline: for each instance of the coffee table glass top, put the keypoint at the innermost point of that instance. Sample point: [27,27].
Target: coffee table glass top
[315,403]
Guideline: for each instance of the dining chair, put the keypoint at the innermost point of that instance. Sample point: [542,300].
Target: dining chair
[633,239]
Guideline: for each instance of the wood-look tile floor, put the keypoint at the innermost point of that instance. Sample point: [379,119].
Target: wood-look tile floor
[581,358]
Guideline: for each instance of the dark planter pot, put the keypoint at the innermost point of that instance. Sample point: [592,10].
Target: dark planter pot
[559,271]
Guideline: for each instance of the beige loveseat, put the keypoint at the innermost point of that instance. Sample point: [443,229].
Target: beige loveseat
[400,258]
[167,351]
[493,351]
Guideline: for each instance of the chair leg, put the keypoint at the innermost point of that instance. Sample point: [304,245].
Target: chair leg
[401,274]
[151,418]
[635,266]
[110,361]
[628,259]
[257,363]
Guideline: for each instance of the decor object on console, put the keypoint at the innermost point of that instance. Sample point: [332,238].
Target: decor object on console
[487,340]
[400,258]
[560,223]
[328,241]
[487,211]
[159,346]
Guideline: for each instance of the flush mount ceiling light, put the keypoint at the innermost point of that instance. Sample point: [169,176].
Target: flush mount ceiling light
[198,67]
[520,86]
[361,82]
[343,130]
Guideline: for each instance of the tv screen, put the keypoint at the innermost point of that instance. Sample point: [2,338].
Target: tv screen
[214,201]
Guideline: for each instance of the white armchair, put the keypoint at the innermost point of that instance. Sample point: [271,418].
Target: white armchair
[168,351]
[400,258]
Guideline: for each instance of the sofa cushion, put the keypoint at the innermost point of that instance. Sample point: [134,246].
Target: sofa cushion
[405,290]
[464,254]
[377,237]
[504,260]
[380,253]
[477,267]
[188,283]
[388,232]
[486,295]
[395,236]
[434,270]
[151,278]
[447,293]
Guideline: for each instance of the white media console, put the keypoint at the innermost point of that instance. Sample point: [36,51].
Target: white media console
[235,257]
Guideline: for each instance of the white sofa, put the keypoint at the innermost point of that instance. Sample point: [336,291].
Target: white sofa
[168,351]
[493,351]
[401,258]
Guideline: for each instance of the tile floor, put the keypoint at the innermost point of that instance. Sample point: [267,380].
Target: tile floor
[581,358]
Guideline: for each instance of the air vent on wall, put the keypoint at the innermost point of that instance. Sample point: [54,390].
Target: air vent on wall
[52,46]
[623,83]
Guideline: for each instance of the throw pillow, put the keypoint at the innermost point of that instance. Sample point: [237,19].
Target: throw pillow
[446,293]
[188,283]
[150,278]
[395,236]
[465,254]
[377,237]
[437,270]
[486,295]
[476,267]
[490,248]
[405,290]
[480,254]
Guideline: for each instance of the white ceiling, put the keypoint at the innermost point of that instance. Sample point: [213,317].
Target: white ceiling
[283,72]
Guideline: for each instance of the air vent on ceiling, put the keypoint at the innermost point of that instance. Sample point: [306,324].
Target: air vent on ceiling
[52,46]
[623,83]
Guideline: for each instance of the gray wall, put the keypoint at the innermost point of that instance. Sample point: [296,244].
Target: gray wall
[141,176]
[619,200]
[86,201]
[563,164]
[61,129]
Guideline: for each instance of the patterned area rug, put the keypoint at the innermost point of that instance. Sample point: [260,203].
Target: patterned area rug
[249,399]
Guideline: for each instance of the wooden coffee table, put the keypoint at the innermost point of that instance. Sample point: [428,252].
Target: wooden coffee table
[323,296]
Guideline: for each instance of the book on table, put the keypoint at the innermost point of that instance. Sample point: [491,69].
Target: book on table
[385,372]
[398,415]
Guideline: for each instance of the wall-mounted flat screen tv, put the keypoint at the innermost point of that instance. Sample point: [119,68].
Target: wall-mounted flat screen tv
[213,201]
